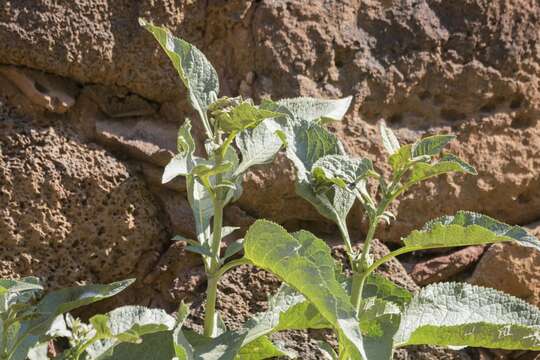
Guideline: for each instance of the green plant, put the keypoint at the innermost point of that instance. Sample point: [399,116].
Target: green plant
[26,324]
[371,315]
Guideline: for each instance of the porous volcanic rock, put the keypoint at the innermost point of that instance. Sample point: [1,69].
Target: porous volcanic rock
[511,268]
[70,212]
[468,67]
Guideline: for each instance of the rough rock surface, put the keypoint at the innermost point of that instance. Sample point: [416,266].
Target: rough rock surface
[468,67]
[442,268]
[70,212]
[511,268]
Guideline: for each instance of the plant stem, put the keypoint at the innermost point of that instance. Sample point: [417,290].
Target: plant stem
[357,278]
[212,272]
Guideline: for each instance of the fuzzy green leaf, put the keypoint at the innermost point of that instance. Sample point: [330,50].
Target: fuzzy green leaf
[431,145]
[200,201]
[400,159]
[467,228]
[312,109]
[262,348]
[421,171]
[459,314]
[258,146]
[242,116]
[155,346]
[340,170]
[304,262]
[127,324]
[390,141]
[380,287]
[182,163]
[379,321]
[198,75]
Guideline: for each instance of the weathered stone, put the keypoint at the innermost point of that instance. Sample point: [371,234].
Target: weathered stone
[511,268]
[70,212]
[444,267]
[50,92]
[144,139]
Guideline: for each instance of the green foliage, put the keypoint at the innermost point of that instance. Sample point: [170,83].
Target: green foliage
[471,316]
[369,313]
[304,262]
[26,322]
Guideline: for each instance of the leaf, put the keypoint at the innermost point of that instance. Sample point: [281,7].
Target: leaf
[233,249]
[379,321]
[199,249]
[262,348]
[127,324]
[431,145]
[466,228]
[198,75]
[243,116]
[328,352]
[460,314]
[380,287]
[307,142]
[312,109]
[390,141]
[258,146]
[340,170]
[59,302]
[200,201]
[421,171]
[182,163]
[156,346]
[18,291]
[304,262]
[64,300]
[400,159]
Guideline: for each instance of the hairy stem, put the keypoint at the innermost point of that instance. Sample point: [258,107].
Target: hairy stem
[357,279]
[212,270]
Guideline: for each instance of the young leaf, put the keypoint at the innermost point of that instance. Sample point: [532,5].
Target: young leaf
[239,115]
[340,170]
[459,314]
[198,75]
[421,171]
[312,109]
[182,163]
[200,201]
[304,262]
[258,146]
[263,348]
[467,228]
[400,159]
[390,141]
[431,145]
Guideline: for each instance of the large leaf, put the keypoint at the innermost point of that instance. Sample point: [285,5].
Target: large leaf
[127,324]
[196,72]
[304,262]
[312,109]
[460,314]
[258,146]
[59,302]
[467,228]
